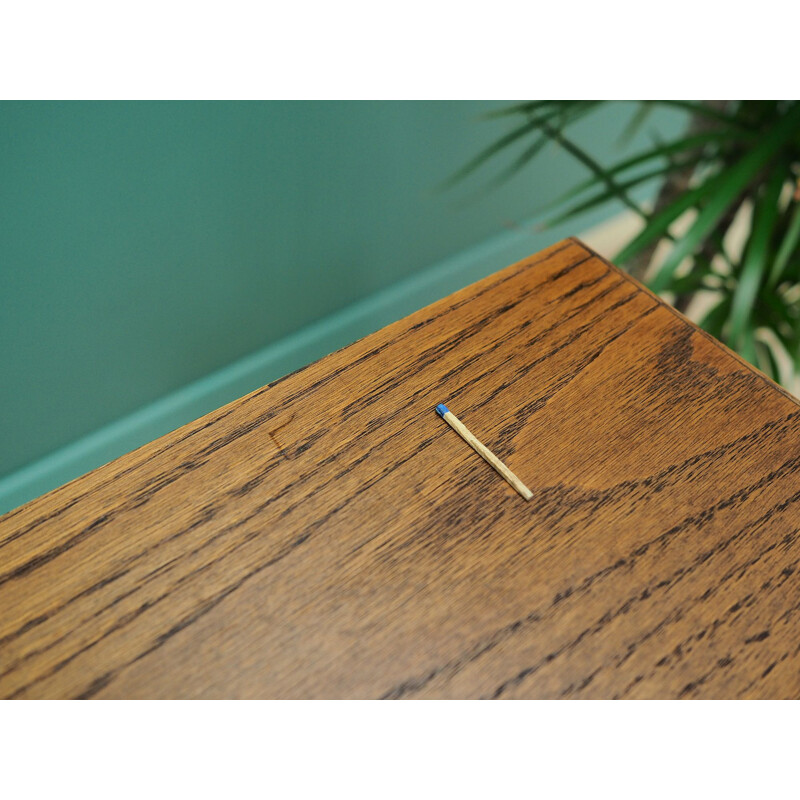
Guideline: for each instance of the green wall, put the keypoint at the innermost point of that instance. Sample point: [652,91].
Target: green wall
[144,246]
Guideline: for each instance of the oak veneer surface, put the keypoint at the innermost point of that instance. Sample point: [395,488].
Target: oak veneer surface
[329,536]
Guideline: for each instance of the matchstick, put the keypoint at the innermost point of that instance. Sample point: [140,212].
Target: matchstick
[458,426]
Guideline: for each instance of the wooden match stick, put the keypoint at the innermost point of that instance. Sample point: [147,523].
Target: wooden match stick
[458,426]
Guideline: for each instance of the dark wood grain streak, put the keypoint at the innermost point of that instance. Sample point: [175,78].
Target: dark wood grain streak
[328,536]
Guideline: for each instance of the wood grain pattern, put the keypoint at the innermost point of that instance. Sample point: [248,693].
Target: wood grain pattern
[328,536]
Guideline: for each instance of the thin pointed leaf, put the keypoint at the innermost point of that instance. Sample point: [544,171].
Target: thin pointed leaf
[756,257]
[661,151]
[527,107]
[527,155]
[701,109]
[635,123]
[659,223]
[725,188]
[787,248]
[609,194]
[569,117]
[493,149]
[589,162]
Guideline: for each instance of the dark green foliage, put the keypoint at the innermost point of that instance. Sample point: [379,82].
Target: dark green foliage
[737,156]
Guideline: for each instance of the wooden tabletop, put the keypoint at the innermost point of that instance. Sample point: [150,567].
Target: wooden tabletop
[329,536]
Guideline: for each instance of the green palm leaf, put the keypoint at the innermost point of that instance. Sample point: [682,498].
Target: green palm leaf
[602,174]
[724,190]
[733,152]
[787,248]
[610,194]
[661,151]
[754,269]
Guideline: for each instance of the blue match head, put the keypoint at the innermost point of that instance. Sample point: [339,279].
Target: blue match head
[442,409]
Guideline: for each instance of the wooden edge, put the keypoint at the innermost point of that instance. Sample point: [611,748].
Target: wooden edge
[686,321]
[211,417]
[532,260]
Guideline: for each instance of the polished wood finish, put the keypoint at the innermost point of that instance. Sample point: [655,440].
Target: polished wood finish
[328,536]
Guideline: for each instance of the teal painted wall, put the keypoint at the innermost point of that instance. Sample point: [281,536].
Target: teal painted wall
[145,245]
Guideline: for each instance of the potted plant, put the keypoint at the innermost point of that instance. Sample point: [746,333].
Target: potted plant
[736,162]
